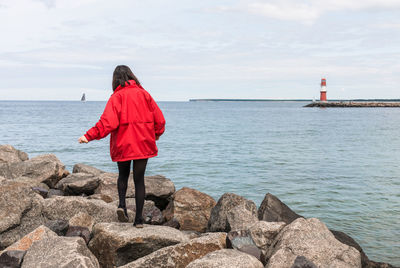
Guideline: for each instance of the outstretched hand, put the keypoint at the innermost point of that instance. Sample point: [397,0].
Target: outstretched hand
[83,140]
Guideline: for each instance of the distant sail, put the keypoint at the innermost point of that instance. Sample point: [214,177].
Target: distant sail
[83,97]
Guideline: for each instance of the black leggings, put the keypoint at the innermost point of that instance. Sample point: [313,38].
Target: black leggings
[139,168]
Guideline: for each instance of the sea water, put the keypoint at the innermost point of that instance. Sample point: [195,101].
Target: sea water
[339,165]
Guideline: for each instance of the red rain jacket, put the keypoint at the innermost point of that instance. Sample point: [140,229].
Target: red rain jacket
[134,120]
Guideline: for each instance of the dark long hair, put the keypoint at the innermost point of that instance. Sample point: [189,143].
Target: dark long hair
[121,75]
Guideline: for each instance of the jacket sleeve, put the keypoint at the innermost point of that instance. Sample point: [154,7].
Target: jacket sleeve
[159,121]
[108,122]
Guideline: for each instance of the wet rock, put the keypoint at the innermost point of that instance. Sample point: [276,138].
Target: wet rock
[55,192]
[65,207]
[20,210]
[8,154]
[226,258]
[159,189]
[116,244]
[180,255]
[12,258]
[274,210]
[82,168]
[231,212]
[44,168]
[78,183]
[59,251]
[191,208]
[104,197]
[43,192]
[79,231]
[60,227]
[312,239]
[303,262]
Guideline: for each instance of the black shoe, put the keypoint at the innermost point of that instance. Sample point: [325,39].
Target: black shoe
[138,223]
[122,214]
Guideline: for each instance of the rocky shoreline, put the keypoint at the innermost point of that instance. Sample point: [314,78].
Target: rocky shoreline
[354,104]
[50,217]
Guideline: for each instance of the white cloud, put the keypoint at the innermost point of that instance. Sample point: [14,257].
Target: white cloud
[308,11]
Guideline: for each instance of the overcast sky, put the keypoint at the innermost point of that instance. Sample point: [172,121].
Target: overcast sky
[182,49]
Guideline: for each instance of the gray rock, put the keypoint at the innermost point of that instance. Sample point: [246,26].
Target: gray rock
[263,233]
[60,227]
[191,208]
[20,210]
[81,225]
[83,220]
[372,264]
[180,255]
[108,186]
[242,241]
[241,216]
[104,197]
[8,154]
[79,231]
[232,212]
[173,223]
[116,244]
[159,189]
[151,214]
[26,242]
[58,251]
[78,183]
[12,258]
[82,168]
[238,239]
[274,210]
[55,192]
[348,240]
[43,192]
[44,168]
[226,258]
[65,207]
[312,239]
[303,262]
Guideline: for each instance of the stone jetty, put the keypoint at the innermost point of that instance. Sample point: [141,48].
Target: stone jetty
[353,104]
[50,217]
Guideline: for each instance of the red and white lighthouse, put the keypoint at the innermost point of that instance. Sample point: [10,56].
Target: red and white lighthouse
[323,90]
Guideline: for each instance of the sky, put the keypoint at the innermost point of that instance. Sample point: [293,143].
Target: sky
[183,49]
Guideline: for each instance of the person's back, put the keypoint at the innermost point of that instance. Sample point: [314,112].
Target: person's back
[135,123]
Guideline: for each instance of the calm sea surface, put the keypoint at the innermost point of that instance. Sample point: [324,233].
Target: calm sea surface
[339,165]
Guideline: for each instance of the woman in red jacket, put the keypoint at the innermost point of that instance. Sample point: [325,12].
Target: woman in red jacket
[135,123]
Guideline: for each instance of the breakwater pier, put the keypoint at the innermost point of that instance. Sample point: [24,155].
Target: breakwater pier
[353,104]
